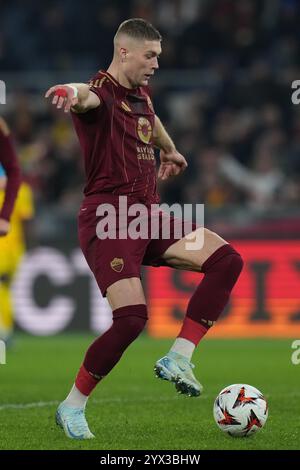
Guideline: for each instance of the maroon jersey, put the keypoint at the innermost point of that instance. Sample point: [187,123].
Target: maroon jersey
[9,161]
[116,140]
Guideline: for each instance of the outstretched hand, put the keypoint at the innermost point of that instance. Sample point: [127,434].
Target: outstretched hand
[172,164]
[64,96]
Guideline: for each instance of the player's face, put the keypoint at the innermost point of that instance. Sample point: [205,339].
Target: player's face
[142,62]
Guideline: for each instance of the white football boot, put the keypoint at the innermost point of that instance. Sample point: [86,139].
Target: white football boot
[177,369]
[73,422]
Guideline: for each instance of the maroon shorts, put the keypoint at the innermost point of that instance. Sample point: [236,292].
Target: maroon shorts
[113,259]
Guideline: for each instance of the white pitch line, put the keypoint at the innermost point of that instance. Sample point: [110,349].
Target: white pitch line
[42,404]
[38,404]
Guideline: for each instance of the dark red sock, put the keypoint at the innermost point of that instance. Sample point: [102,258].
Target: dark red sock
[221,270]
[85,382]
[192,330]
[105,351]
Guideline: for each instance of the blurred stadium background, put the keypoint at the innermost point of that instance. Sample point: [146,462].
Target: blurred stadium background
[224,93]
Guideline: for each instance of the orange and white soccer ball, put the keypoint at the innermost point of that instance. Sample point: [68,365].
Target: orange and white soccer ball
[240,410]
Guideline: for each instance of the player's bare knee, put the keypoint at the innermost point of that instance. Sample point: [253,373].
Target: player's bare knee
[212,241]
[125,292]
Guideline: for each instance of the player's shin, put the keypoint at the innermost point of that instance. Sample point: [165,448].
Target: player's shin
[106,351]
[221,271]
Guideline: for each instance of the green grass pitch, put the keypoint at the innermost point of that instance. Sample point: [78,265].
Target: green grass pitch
[131,409]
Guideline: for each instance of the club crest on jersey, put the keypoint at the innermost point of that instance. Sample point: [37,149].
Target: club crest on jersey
[144,130]
[117,264]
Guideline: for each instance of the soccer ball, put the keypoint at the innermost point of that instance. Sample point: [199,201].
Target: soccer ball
[240,410]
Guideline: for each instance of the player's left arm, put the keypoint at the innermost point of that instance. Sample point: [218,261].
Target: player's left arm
[172,162]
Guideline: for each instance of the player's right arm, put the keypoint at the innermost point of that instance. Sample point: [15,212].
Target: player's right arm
[77,96]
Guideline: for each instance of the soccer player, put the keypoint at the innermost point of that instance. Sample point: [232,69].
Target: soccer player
[117,128]
[12,249]
[11,169]
[10,180]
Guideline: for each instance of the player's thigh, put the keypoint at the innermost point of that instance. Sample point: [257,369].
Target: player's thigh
[179,256]
[125,292]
